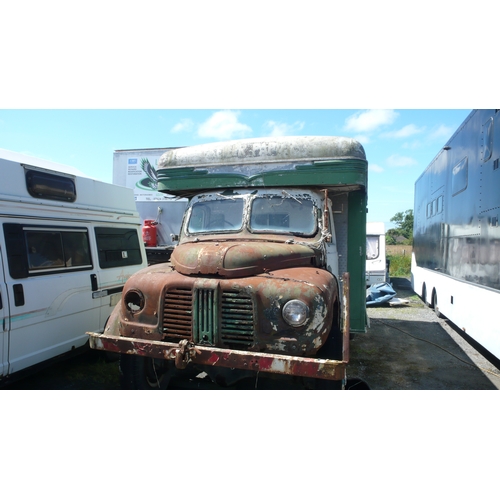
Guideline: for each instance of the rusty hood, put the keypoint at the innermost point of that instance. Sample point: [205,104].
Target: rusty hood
[239,259]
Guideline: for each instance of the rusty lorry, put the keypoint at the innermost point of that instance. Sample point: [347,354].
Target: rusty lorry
[267,281]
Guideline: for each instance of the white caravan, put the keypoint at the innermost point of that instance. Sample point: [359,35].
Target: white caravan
[376,266]
[68,243]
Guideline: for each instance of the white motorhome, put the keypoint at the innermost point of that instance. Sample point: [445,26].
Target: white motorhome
[68,243]
[376,266]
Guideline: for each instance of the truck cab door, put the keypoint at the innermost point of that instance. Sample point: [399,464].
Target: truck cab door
[4,322]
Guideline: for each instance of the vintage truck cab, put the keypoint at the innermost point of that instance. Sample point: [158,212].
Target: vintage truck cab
[270,254]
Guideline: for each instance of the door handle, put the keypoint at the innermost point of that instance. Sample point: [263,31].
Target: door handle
[93,282]
[18,295]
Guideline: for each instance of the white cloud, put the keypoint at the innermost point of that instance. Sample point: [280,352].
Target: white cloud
[368,121]
[442,132]
[406,131]
[281,129]
[224,125]
[372,167]
[185,125]
[401,161]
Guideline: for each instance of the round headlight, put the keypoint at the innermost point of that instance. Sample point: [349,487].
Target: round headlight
[134,301]
[295,312]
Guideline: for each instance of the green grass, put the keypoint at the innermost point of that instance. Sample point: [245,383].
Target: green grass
[400,265]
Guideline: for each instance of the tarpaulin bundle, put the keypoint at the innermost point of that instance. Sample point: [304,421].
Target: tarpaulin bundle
[379,294]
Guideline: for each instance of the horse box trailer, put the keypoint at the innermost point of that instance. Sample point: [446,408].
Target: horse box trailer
[456,233]
[68,243]
[268,277]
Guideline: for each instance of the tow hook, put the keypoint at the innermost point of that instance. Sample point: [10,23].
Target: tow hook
[186,352]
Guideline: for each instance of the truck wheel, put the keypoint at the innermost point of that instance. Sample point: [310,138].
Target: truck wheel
[332,349]
[141,372]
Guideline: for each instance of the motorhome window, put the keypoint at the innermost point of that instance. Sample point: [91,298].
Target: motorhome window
[51,249]
[440,202]
[50,186]
[487,139]
[459,177]
[33,250]
[283,214]
[372,247]
[216,215]
[117,247]
[429,210]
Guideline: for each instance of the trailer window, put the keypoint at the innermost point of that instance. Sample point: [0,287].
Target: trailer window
[459,178]
[487,138]
[117,247]
[372,247]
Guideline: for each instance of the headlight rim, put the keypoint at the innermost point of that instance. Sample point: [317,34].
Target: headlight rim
[291,303]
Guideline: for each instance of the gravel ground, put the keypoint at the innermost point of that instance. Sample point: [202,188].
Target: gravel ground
[409,347]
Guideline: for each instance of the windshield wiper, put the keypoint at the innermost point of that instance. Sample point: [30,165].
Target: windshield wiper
[290,196]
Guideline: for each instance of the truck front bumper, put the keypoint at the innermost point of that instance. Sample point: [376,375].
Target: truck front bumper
[184,353]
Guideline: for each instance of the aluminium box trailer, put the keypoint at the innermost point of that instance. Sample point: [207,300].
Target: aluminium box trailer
[68,243]
[268,277]
[137,169]
[456,249]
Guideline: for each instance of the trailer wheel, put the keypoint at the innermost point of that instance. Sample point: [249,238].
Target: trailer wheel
[424,295]
[141,372]
[435,305]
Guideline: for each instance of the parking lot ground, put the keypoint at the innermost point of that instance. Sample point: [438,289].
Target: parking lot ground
[409,347]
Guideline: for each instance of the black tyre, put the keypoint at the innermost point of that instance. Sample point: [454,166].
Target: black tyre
[424,295]
[332,349]
[436,306]
[140,372]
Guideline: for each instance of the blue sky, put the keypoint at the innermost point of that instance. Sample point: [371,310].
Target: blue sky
[399,143]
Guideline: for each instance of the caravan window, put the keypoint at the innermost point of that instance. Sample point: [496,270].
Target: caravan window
[117,247]
[372,247]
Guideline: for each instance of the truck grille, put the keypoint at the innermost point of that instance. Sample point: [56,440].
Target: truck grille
[178,314]
[237,322]
[193,316]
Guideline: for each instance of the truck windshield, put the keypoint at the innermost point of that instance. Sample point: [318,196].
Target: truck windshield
[216,215]
[279,214]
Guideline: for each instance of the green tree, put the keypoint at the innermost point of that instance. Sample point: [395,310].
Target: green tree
[403,229]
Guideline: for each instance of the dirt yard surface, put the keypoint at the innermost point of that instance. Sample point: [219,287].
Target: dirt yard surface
[406,347]
[409,347]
